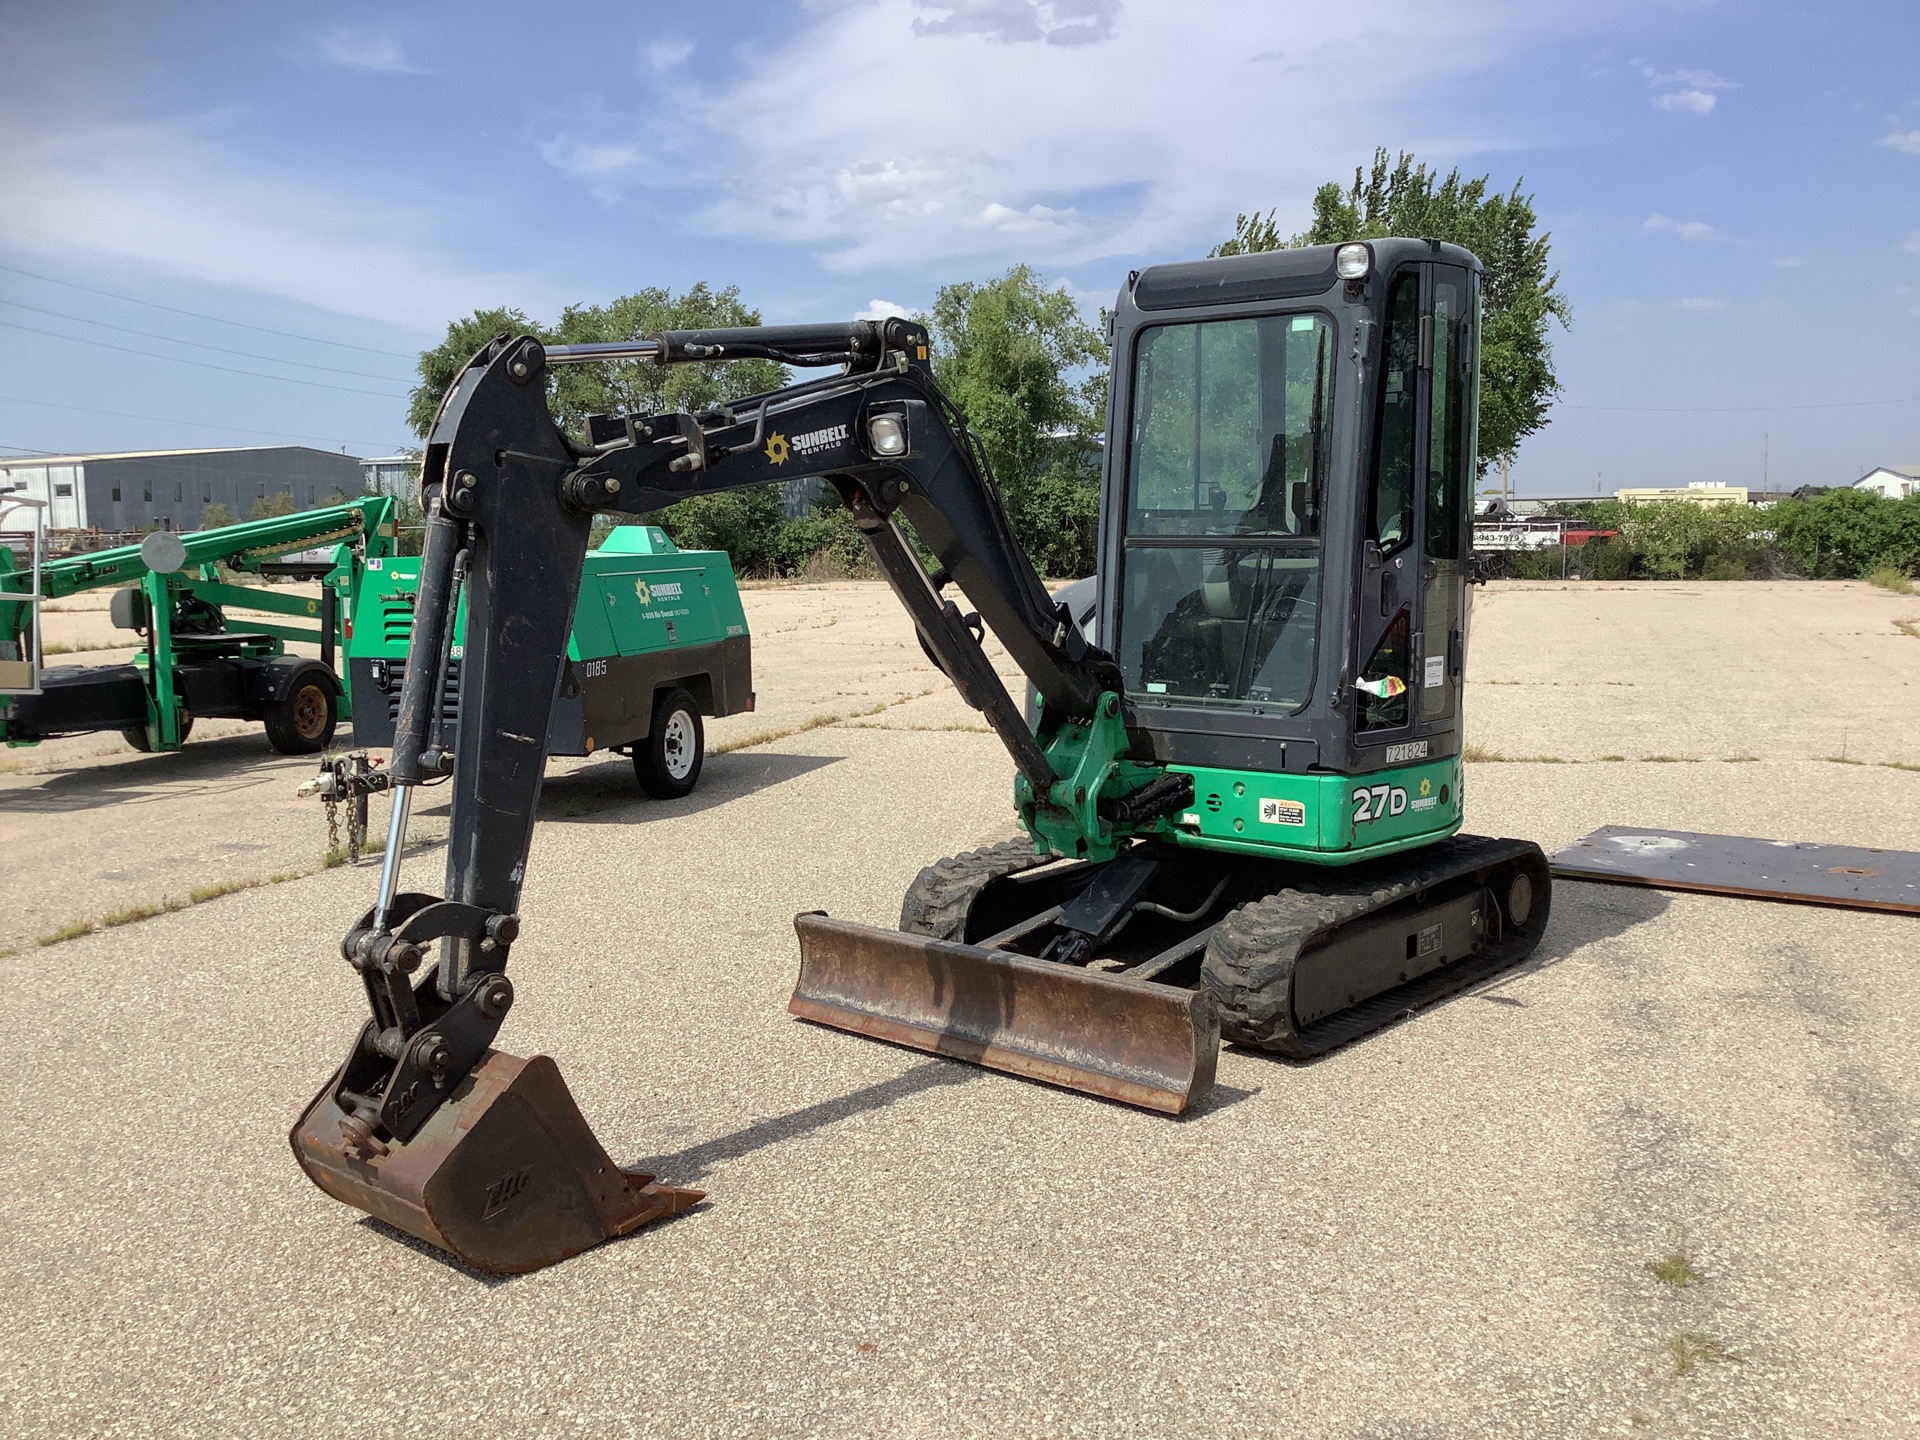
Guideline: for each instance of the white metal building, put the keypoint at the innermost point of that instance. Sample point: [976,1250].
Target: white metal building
[171,489]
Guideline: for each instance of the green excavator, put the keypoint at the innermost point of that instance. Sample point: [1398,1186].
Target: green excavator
[1240,788]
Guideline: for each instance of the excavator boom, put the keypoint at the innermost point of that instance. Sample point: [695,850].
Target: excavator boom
[429,1128]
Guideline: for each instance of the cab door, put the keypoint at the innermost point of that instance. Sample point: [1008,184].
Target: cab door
[1449,350]
[1409,640]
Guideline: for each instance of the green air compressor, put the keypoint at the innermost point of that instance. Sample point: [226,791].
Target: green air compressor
[659,642]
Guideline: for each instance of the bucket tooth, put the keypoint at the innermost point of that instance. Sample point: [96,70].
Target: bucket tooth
[506,1175]
[1154,1046]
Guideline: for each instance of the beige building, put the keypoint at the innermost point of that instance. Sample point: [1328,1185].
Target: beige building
[1701,492]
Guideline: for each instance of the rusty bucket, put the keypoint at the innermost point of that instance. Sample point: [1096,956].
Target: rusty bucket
[1137,1042]
[506,1175]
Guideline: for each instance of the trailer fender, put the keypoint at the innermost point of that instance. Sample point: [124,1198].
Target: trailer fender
[280,676]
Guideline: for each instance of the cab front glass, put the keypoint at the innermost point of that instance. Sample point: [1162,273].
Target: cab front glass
[1220,572]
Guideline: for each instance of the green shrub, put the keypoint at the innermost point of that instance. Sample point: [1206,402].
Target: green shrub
[1547,564]
[1606,560]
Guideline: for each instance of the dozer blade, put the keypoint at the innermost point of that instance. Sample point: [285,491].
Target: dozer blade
[1143,1044]
[506,1175]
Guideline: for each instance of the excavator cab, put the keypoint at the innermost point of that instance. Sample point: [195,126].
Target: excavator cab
[1237,782]
[1282,586]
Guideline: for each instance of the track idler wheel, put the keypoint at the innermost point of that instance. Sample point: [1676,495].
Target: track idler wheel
[506,1175]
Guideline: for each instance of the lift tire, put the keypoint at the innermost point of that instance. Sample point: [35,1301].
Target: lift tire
[301,723]
[938,901]
[136,735]
[667,763]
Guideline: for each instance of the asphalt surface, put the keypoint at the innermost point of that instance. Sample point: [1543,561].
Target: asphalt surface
[1444,1230]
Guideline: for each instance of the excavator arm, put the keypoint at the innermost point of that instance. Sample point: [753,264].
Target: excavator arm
[425,1125]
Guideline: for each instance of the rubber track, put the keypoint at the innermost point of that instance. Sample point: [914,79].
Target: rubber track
[941,895]
[1250,958]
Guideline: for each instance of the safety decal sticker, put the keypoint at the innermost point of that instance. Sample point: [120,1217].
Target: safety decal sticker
[1436,675]
[1282,812]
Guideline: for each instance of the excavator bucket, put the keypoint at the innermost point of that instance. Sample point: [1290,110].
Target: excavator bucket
[1143,1044]
[506,1175]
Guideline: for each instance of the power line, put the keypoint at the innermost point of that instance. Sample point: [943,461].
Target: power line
[190,424]
[1736,409]
[201,364]
[197,315]
[197,345]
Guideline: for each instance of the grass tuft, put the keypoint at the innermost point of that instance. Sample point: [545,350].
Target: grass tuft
[335,858]
[1690,1347]
[1674,1269]
[200,894]
[76,647]
[1669,760]
[816,722]
[1842,760]
[130,914]
[1909,627]
[1613,758]
[1887,577]
[1741,760]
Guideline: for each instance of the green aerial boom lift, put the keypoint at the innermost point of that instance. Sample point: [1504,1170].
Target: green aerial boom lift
[192,664]
[1241,805]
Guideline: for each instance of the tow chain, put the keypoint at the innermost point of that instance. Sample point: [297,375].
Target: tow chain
[345,781]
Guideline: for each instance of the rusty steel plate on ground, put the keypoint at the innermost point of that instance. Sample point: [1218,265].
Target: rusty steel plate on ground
[1144,1044]
[1844,875]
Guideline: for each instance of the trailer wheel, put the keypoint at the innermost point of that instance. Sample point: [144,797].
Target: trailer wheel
[302,722]
[136,735]
[667,763]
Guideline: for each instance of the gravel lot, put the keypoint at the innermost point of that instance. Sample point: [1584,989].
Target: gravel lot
[1445,1230]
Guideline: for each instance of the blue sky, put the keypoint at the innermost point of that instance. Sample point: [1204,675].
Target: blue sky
[309,193]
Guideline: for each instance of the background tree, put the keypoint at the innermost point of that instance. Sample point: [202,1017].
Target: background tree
[1008,352]
[441,366]
[743,523]
[1520,294]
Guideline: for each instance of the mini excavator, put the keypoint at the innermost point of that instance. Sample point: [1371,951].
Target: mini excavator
[1240,788]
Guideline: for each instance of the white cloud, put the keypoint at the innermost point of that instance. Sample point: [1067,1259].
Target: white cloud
[175,197]
[1009,146]
[1688,230]
[577,158]
[882,310]
[1694,90]
[1788,262]
[1701,305]
[1700,102]
[352,47]
[1907,142]
[1036,222]
[1011,22]
[1911,242]
[668,54]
